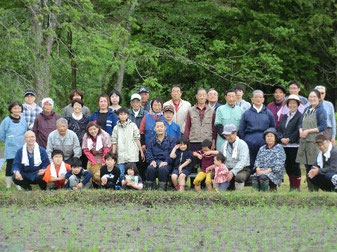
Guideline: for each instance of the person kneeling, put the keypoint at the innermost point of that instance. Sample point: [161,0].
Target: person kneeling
[132,180]
[78,178]
[109,172]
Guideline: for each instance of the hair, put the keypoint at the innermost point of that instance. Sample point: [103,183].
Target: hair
[320,87]
[74,92]
[57,152]
[77,101]
[13,104]
[212,89]
[61,120]
[90,124]
[104,96]
[200,89]
[257,91]
[157,99]
[122,110]
[295,83]
[159,121]
[239,87]
[76,162]
[114,91]
[183,140]
[111,155]
[316,92]
[132,166]
[231,90]
[220,157]
[176,86]
[206,143]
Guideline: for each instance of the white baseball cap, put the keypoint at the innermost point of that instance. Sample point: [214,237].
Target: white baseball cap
[136,96]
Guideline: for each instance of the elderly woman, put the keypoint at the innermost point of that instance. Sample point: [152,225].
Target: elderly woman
[324,171]
[314,121]
[12,130]
[115,99]
[269,163]
[104,116]
[45,122]
[289,137]
[96,143]
[254,122]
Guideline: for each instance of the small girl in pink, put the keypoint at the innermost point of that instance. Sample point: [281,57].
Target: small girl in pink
[221,172]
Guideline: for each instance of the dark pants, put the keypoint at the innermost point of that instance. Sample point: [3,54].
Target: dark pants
[323,181]
[158,172]
[292,168]
[25,183]
[265,177]
[240,177]
[84,160]
[141,166]
[195,161]
[9,164]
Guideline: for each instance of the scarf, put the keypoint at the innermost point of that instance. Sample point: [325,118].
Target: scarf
[235,148]
[327,155]
[37,155]
[62,170]
[99,142]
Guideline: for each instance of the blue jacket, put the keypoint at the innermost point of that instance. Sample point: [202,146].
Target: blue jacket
[173,130]
[160,151]
[149,127]
[137,120]
[110,122]
[182,157]
[12,134]
[30,172]
[84,176]
[321,117]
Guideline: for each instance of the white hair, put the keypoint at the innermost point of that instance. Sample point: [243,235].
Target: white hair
[61,121]
[320,87]
[257,91]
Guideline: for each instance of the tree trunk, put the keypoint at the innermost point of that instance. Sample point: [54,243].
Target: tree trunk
[73,63]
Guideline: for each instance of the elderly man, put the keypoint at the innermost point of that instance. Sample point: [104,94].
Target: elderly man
[212,98]
[30,163]
[145,95]
[330,111]
[323,171]
[277,107]
[181,107]
[227,114]
[237,157]
[65,140]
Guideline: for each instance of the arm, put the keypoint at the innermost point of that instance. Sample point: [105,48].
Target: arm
[77,147]
[186,163]
[210,168]
[213,131]
[86,177]
[242,127]
[243,156]
[173,152]
[90,156]
[187,126]
[49,147]
[172,145]
[142,131]
[149,154]
[321,116]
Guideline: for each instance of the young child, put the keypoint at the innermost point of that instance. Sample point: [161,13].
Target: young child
[132,180]
[109,172]
[78,178]
[206,155]
[55,172]
[221,172]
[172,128]
[181,156]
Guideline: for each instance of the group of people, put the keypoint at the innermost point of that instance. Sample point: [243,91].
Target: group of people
[156,142]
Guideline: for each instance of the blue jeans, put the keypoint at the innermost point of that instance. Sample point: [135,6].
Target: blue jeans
[121,168]
[223,186]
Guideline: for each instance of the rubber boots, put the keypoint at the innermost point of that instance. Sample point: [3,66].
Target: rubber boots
[8,180]
[255,184]
[149,185]
[264,185]
[239,186]
[162,186]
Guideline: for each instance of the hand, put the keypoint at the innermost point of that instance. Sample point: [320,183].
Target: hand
[313,172]
[333,141]
[104,181]
[154,164]
[304,134]
[209,152]
[199,156]
[142,156]
[163,164]
[41,172]
[18,176]
[230,176]
[285,140]
[213,146]
[259,171]
[144,148]
[177,146]
[180,169]
[79,186]
[61,177]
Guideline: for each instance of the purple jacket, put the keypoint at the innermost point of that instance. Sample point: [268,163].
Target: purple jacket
[277,110]
[43,125]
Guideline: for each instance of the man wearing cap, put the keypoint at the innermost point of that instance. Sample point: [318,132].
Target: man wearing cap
[237,157]
[239,91]
[277,107]
[145,95]
[323,172]
[227,114]
[181,107]
[136,111]
[172,128]
[30,108]
[294,89]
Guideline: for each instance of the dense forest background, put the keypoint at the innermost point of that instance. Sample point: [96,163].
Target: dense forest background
[54,46]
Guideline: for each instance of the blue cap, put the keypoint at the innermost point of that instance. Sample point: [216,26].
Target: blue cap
[143,90]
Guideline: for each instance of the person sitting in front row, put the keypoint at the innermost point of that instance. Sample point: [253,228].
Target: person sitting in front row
[78,178]
[206,155]
[221,172]
[110,172]
[132,180]
[55,173]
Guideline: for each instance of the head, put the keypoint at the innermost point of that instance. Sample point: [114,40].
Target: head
[15,108]
[159,128]
[57,157]
[293,102]
[29,97]
[183,142]
[219,159]
[30,138]
[279,93]
[135,102]
[239,91]
[212,96]
[62,126]
[144,93]
[157,105]
[123,114]
[201,96]
[168,113]
[76,94]
[47,105]
[206,145]
[176,93]
[115,97]
[322,142]
[230,132]
[76,165]
[294,88]
[131,169]
[322,91]
[110,159]
[103,102]
[93,129]
[258,98]
[314,97]
[270,136]
[77,105]
[231,97]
